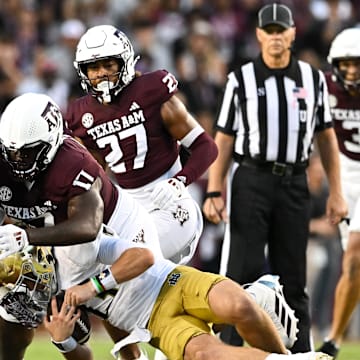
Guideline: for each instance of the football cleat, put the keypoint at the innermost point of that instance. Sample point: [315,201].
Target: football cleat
[268,293]
[329,347]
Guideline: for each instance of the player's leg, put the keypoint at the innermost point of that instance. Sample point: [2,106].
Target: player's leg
[348,289]
[191,300]
[179,229]
[347,294]
[14,339]
[231,304]
[207,347]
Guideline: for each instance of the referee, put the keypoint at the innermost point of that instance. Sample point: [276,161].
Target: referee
[272,110]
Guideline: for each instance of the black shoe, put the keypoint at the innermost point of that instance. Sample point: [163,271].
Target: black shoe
[330,348]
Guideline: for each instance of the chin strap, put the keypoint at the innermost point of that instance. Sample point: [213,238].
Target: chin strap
[104,87]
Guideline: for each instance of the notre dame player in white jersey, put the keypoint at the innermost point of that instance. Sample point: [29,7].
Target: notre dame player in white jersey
[171,306]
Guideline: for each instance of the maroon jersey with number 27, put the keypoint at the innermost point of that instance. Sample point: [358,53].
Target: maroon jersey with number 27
[129,132]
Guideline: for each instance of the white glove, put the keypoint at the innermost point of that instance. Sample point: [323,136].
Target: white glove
[166,191]
[12,240]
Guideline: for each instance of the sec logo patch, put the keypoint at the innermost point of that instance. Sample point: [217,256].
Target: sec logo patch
[5,193]
[333,101]
[87,120]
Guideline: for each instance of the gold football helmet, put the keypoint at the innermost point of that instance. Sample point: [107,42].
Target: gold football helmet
[28,280]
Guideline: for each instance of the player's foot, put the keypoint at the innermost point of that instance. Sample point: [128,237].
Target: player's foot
[329,347]
[268,293]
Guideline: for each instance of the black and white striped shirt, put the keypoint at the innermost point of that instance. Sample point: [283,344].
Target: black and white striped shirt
[273,113]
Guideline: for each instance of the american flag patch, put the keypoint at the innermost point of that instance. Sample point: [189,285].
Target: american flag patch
[300,93]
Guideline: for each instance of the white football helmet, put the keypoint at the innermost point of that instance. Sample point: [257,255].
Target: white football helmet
[104,42]
[28,281]
[31,129]
[346,45]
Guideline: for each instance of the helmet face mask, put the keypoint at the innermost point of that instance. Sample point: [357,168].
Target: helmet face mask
[345,48]
[349,79]
[31,130]
[30,281]
[101,43]
[24,162]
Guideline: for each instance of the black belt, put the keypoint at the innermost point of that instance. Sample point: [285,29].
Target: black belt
[274,167]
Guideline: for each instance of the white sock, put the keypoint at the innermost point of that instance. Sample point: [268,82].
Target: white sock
[299,356]
[278,356]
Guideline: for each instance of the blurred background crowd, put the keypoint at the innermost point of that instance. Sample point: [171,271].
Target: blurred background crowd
[200,41]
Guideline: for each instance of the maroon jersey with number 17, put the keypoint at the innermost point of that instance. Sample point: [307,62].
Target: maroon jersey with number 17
[71,173]
[129,132]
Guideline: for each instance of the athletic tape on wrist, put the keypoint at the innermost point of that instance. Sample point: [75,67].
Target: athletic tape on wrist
[103,281]
[66,345]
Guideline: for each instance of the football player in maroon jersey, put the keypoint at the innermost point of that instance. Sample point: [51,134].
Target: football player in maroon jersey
[344,98]
[135,124]
[52,183]
[47,179]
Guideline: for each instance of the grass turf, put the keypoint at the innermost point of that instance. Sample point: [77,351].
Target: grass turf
[42,349]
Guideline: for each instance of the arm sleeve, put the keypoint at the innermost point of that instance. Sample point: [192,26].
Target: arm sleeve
[111,246]
[203,151]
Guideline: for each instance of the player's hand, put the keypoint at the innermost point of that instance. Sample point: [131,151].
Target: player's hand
[12,240]
[61,323]
[336,208]
[214,210]
[79,294]
[166,191]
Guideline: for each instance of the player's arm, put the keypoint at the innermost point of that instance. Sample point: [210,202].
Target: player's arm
[183,127]
[85,216]
[200,146]
[130,264]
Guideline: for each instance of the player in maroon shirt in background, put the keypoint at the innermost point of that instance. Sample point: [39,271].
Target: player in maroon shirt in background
[135,124]
[344,98]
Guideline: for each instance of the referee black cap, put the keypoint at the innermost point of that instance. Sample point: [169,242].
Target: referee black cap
[275,14]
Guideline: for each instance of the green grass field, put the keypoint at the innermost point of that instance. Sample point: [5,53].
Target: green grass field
[42,349]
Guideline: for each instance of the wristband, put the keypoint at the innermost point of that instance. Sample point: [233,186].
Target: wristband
[66,345]
[103,281]
[212,194]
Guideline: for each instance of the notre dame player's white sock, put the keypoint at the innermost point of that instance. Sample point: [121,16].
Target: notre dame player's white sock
[276,357]
[299,356]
